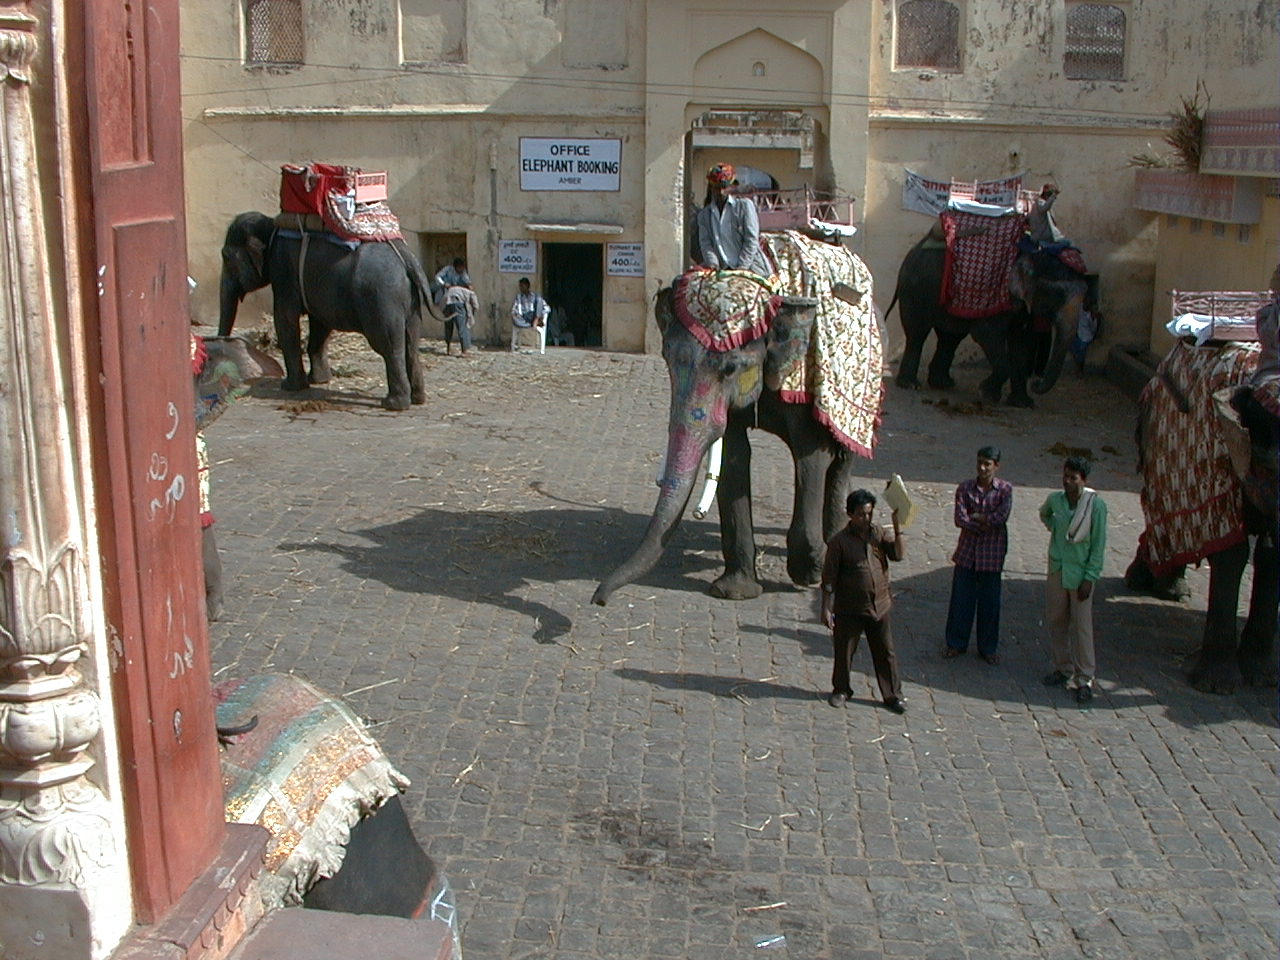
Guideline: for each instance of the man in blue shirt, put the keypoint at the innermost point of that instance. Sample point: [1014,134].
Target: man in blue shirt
[1077,522]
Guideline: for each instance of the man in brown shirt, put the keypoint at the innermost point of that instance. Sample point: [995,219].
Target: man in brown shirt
[855,598]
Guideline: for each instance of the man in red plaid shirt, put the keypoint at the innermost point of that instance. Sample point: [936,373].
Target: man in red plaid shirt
[982,512]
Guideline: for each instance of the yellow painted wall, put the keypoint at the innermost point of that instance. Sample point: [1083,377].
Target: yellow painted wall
[1193,255]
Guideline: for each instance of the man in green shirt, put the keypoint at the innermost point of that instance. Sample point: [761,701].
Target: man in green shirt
[1077,522]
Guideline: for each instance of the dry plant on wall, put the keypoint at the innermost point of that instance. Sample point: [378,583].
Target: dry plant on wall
[1186,133]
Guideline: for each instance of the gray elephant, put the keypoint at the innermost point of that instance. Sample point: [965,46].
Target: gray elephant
[721,390]
[377,289]
[1201,503]
[222,368]
[1047,294]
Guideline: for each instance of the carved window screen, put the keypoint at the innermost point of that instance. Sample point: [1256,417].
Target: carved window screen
[1095,42]
[274,30]
[928,35]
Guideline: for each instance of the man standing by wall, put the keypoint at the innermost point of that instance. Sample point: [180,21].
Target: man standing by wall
[855,598]
[981,513]
[1077,522]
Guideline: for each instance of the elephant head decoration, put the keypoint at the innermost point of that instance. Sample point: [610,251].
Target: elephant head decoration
[747,358]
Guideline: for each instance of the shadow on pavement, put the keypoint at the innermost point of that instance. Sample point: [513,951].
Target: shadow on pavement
[737,687]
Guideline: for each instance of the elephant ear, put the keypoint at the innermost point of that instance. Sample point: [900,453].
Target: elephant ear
[789,340]
[724,309]
[257,251]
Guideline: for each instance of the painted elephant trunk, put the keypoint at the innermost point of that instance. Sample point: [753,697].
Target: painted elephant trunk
[684,455]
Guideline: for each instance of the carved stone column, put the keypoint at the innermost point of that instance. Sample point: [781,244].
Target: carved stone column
[64,882]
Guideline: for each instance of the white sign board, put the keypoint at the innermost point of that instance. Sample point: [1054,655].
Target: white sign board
[624,259]
[518,256]
[552,163]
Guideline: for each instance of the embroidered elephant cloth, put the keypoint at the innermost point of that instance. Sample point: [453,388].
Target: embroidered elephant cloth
[1191,496]
[307,771]
[724,309]
[975,271]
[841,373]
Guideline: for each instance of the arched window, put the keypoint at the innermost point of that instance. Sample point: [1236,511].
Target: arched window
[274,29]
[1095,42]
[928,35]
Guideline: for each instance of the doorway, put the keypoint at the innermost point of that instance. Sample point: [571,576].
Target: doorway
[439,249]
[573,281]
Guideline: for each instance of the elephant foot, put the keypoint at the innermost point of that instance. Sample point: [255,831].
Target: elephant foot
[1258,673]
[418,397]
[1218,677]
[294,385]
[213,608]
[908,383]
[943,382]
[395,403]
[990,391]
[736,586]
[1020,400]
[1177,589]
[321,374]
[805,572]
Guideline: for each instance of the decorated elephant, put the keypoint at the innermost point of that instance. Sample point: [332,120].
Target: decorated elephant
[1209,423]
[378,289]
[805,366]
[997,296]
[223,367]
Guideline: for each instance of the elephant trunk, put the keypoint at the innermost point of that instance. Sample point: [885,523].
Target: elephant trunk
[685,451]
[1065,321]
[230,295]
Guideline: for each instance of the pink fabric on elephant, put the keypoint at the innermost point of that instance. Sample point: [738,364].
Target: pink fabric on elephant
[980,253]
[1191,497]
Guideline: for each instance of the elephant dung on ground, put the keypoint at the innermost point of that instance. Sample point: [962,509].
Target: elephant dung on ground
[377,289]
[1036,291]
[1207,439]
[744,365]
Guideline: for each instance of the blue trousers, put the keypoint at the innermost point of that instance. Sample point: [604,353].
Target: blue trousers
[974,591]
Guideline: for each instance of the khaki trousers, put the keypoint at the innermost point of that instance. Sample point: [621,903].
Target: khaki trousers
[1070,623]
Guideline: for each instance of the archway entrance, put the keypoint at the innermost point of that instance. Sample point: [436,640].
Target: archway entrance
[573,280]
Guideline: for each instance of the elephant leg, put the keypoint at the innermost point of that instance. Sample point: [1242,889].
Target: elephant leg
[1019,359]
[390,346]
[812,457]
[909,366]
[317,338]
[737,533]
[1257,658]
[213,593]
[412,362]
[993,339]
[1216,669]
[839,485]
[944,354]
[290,339]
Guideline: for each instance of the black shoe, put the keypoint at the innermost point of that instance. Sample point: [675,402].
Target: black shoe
[1056,679]
[896,705]
[838,699]
[1084,693]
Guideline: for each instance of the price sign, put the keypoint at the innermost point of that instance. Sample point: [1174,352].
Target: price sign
[518,256]
[625,259]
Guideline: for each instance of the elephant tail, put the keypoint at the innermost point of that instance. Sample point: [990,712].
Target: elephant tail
[422,283]
[892,303]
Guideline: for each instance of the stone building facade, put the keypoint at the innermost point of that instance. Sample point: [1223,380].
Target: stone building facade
[465,103]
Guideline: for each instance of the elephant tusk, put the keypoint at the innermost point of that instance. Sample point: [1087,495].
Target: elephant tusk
[713,480]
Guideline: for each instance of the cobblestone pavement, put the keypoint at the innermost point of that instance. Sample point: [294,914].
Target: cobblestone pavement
[661,778]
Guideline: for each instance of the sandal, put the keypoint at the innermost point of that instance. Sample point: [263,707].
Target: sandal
[991,658]
[949,652]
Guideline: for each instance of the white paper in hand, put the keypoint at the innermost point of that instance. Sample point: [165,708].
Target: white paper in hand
[896,496]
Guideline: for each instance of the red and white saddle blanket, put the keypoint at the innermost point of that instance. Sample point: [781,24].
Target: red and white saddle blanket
[329,191]
[980,254]
[1191,496]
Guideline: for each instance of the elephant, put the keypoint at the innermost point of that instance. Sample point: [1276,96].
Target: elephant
[720,393]
[377,289]
[1046,294]
[1208,439]
[221,367]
